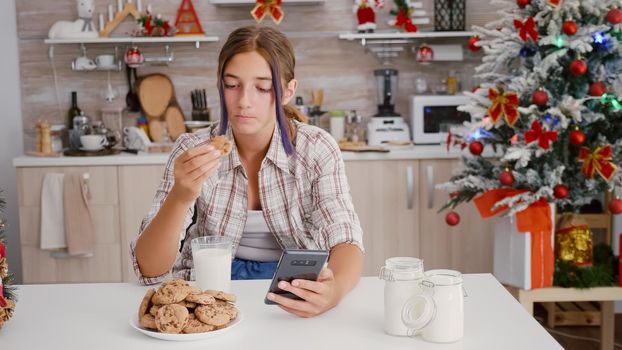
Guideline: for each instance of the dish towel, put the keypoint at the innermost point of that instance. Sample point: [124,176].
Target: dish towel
[79,228]
[52,227]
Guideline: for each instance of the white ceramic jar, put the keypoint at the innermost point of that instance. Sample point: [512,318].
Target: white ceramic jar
[403,276]
[439,310]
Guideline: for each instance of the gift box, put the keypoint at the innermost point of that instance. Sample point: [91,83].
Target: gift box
[512,253]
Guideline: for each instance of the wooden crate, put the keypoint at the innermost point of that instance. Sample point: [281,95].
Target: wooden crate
[583,313]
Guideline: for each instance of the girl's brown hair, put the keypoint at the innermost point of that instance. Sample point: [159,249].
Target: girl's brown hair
[277,50]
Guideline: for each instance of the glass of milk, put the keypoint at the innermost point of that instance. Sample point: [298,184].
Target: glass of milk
[212,262]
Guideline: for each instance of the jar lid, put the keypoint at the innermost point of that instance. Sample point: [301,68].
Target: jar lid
[444,277]
[402,268]
[418,312]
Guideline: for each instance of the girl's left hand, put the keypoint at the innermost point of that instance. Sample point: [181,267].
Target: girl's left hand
[319,296]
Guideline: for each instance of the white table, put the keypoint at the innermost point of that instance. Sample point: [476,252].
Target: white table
[95,316]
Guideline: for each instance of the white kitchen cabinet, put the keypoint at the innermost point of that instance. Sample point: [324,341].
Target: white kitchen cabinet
[386,200]
[466,247]
[137,188]
[38,265]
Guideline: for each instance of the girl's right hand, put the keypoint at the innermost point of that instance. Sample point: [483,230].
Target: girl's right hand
[192,168]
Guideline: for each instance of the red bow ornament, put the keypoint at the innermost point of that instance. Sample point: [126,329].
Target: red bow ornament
[264,7]
[599,161]
[403,20]
[503,104]
[536,133]
[526,29]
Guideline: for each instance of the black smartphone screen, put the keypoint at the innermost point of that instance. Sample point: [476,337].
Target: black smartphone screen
[297,264]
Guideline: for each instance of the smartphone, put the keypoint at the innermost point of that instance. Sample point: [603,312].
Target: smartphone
[296,264]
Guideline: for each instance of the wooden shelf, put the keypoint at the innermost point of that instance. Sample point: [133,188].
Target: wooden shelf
[253,2]
[135,40]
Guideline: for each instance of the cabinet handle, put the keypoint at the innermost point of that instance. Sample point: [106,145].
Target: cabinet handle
[410,187]
[430,180]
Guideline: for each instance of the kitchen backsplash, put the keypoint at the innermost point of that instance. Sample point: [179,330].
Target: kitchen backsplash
[342,68]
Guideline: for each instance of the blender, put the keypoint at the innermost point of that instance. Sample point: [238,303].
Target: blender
[386,126]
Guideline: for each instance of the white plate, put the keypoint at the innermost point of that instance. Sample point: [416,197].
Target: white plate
[184,337]
[91,150]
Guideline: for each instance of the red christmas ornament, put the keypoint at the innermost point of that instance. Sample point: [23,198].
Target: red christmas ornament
[598,88]
[452,218]
[425,54]
[614,16]
[540,98]
[476,148]
[506,178]
[471,43]
[576,137]
[615,206]
[569,27]
[522,3]
[560,191]
[578,67]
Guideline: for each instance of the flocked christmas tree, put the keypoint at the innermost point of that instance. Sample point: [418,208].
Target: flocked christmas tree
[549,103]
[7,291]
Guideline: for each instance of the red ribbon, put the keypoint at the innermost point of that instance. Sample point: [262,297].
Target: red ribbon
[503,104]
[535,219]
[599,161]
[2,251]
[526,29]
[403,19]
[544,138]
[264,7]
[3,302]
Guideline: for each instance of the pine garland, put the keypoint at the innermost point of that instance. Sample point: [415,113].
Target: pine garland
[601,274]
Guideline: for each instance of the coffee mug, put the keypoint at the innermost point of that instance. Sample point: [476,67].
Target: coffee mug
[104,61]
[92,142]
[84,63]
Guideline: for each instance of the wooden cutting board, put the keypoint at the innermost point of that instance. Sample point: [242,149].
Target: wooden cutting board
[175,121]
[156,130]
[155,93]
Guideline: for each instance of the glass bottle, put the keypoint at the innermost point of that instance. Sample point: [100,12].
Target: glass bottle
[74,111]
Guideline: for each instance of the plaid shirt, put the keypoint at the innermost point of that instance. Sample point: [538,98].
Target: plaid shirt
[305,197]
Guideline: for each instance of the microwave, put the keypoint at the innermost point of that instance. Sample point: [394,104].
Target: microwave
[428,112]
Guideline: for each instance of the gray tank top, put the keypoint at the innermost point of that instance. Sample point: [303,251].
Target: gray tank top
[257,242]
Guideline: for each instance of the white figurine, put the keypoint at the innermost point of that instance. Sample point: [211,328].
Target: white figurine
[83,27]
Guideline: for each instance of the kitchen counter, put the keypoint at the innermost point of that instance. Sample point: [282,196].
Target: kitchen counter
[96,316]
[409,153]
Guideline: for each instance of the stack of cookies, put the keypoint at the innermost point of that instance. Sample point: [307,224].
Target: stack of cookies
[176,307]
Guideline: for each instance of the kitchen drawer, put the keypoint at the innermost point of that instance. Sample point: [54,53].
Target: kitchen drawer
[39,267]
[105,220]
[102,183]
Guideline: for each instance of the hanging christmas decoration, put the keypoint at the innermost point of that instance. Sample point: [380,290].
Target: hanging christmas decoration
[576,137]
[573,241]
[504,104]
[615,206]
[614,16]
[471,44]
[560,191]
[598,88]
[268,7]
[425,54]
[476,148]
[540,97]
[569,27]
[600,161]
[506,178]
[452,218]
[578,67]
[536,133]
[526,29]
[522,3]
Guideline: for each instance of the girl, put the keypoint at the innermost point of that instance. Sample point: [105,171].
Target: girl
[282,186]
